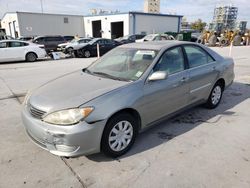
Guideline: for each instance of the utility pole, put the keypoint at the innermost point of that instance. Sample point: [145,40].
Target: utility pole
[41,1]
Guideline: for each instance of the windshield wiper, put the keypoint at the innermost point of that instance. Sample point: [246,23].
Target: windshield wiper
[87,71]
[110,76]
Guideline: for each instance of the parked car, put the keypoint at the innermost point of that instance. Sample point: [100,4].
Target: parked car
[26,38]
[130,38]
[75,44]
[104,106]
[90,49]
[156,37]
[6,37]
[50,42]
[16,50]
[68,38]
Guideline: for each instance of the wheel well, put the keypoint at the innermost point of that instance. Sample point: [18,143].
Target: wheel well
[132,112]
[222,83]
[31,53]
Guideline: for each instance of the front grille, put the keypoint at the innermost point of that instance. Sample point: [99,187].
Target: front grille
[36,113]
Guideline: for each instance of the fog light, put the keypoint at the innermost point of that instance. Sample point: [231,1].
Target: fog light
[64,148]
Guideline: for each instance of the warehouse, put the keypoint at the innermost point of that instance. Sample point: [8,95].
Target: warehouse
[120,24]
[33,24]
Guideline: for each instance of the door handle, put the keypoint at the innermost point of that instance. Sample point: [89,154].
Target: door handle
[184,79]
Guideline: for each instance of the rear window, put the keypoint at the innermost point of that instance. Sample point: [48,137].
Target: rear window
[17,44]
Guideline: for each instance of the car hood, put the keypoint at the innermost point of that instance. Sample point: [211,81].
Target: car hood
[64,44]
[71,91]
[76,46]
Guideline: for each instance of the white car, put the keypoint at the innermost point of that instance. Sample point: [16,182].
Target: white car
[74,44]
[156,37]
[15,50]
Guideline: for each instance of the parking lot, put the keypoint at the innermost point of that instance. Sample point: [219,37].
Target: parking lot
[198,148]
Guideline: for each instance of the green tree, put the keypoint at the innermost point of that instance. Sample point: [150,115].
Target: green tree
[198,25]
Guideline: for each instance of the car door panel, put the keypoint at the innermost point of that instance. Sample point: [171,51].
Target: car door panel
[162,98]
[202,80]
[4,56]
[202,71]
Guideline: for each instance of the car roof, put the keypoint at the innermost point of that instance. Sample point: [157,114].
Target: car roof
[154,45]
[11,40]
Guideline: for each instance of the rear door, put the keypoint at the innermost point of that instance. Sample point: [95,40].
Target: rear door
[203,71]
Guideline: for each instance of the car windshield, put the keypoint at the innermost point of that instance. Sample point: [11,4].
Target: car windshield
[126,64]
[125,37]
[149,37]
[74,41]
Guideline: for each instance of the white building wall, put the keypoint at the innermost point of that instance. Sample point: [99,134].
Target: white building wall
[50,24]
[7,24]
[156,24]
[106,21]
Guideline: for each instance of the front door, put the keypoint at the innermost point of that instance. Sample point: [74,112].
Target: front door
[164,97]
[3,49]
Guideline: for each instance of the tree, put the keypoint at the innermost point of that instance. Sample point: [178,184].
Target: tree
[198,25]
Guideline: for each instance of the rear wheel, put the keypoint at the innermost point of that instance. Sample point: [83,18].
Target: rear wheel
[31,57]
[119,135]
[215,96]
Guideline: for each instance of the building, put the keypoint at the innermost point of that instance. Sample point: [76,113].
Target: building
[112,25]
[242,26]
[225,18]
[121,24]
[18,24]
[152,6]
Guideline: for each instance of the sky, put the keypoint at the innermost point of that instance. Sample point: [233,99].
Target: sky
[191,9]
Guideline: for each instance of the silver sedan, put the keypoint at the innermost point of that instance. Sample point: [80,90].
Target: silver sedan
[134,86]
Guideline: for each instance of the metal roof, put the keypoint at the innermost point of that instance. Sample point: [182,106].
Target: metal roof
[136,13]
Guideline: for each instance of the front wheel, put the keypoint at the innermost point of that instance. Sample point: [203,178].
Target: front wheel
[215,96]
[87,54]
[119,135]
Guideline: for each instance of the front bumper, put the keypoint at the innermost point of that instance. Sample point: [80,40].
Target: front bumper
[68,141]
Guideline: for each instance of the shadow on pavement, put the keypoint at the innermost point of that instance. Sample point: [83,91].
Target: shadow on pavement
[184,122]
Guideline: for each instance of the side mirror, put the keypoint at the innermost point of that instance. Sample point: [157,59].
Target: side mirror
[159,75]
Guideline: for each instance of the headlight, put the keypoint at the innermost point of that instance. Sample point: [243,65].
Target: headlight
[68,117]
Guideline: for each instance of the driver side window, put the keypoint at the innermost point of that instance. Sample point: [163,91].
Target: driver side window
[172,61]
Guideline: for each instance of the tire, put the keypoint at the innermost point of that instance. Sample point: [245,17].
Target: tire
[215,96]
[80,53]
[115,143]
[69,50]
[87,53]
[31,57]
